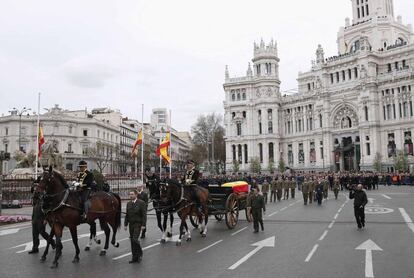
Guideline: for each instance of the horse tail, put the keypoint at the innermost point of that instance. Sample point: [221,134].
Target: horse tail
[118,212]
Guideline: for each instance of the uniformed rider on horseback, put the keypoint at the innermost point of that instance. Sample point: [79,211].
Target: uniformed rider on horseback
[86,183]
[190,180]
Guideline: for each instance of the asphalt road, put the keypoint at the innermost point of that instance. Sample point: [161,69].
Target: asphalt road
[298,241]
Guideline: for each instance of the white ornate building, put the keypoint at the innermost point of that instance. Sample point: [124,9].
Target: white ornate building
[349,107]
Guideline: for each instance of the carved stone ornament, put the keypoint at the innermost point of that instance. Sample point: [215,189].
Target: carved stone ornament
[345,117]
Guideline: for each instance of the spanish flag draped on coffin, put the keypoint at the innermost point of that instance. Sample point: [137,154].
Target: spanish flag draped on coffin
[238,186]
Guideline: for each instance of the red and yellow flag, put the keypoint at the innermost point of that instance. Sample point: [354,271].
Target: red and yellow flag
[137,143]
[41,140]
[162,149]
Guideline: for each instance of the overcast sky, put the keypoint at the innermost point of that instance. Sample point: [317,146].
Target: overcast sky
[119,54]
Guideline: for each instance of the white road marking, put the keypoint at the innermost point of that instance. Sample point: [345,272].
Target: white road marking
[336,216]
[407,219]
[9,231]
[311,253]
[369,246]
[273,213]
[323,235]
[21,226]
[282,209]
[339,210]
[269,242]
[145,248]
[177,223]
[236,232]
[211,245]
[371,200]
[386,196]
[331,225]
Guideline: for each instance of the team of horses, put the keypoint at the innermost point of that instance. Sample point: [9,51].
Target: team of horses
[63,208]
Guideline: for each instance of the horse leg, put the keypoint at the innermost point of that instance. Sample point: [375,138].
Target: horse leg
[114,230]
[181,232]
[205,221]
[158,214]
[74,234]
[105,227]
[169,231]
[49,240]
[92,231]
[188,231]
[58,229]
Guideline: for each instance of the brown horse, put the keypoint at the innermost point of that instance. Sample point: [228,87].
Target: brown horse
[62,208]
[182,198]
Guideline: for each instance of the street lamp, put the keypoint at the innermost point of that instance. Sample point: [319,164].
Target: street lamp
[20,113]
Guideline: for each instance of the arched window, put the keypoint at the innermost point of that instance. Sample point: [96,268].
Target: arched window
[238,96]
[320,120]
[233,97]
[243,96]
[355,46]
[246,154]
[366,113]
[239,152]
[271,153]
[261,152]
[234,152]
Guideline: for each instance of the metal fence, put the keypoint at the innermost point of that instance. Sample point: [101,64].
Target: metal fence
[18,188]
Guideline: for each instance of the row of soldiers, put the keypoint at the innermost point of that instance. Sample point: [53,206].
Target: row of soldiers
[278,188]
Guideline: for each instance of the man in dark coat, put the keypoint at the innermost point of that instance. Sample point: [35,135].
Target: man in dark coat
[136,218]
[360,200]
[86,184]
[256,205]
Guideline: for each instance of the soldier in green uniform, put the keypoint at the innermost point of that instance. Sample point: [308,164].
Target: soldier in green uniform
[279,187]
[285,185]
[325,188]
[305,191]
[311,189]
[136,218]
[265,190]
[273,190]
[256,205]
[336,186]
[292,185]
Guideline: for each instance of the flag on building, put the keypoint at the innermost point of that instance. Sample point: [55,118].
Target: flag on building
[41,140]
[137,143]
[162,149]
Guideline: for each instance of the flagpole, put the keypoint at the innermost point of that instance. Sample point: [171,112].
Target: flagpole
[37,136]
[160,155]
[170,146]
[142,146]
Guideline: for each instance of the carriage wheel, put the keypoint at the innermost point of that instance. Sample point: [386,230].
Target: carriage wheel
[194,221]
[249,216]
[219,217]
[232,214]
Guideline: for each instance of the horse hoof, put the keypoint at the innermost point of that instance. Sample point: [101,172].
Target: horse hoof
[55,265]
[163,240]
[169,234]
[75,260]
[178,243]
[87,248]
[42,259]
[189,239]
[98,241]
[203,235]
[102,253]
[116,245]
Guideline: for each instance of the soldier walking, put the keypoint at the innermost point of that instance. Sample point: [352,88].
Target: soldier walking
[136,218]
[265,189]
[311,189]
[279,187]
[285,185]
[256,205]
[292,185]
[305,191]
[273,190]
[336,186]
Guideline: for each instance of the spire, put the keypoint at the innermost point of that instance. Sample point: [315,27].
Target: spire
[262,44]
[249,71]
[320,55]
[226,72]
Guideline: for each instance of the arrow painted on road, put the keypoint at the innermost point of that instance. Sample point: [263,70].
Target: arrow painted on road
[9,231]
[371,200]
[369,246]
[268,242]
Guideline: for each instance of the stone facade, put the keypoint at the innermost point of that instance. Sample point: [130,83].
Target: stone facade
[350,109]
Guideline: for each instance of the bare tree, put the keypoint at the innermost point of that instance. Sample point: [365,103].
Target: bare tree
[103,154]
[208,139]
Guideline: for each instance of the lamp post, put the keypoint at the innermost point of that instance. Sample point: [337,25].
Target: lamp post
[20,113]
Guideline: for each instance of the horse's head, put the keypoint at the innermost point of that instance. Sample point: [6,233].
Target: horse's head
[153,187]
[49,186]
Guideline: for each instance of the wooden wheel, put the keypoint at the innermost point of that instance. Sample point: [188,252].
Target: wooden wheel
[219,217]
[194,221]
[232,214]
